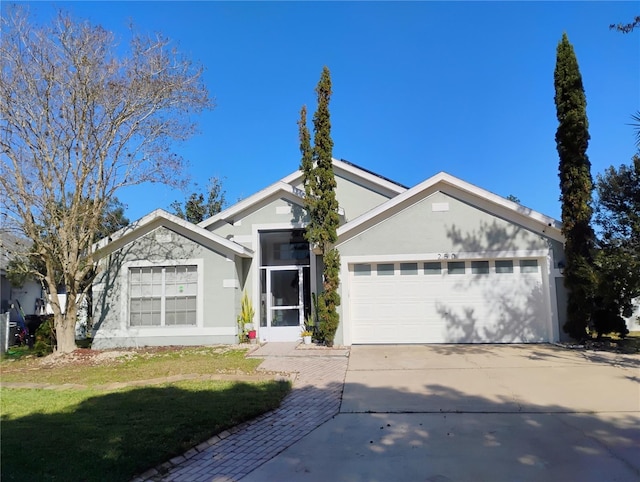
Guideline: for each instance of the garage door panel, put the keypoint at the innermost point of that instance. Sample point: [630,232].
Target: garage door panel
[407,333]
[371,290]
[373,312]
[462,308]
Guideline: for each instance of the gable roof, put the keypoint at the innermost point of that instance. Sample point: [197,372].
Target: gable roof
[281,188]
[286,187]
[158,218]
[365,176]
[474,195]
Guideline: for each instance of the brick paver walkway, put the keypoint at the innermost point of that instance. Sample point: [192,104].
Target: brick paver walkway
[315,398]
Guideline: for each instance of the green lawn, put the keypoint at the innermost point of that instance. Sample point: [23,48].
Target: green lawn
[87,435]
[127,365]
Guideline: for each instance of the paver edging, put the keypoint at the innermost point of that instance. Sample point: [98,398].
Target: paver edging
[184,466]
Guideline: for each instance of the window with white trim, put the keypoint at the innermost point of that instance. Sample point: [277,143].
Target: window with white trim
[163,295]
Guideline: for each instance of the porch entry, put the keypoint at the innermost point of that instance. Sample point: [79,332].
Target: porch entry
[285,289]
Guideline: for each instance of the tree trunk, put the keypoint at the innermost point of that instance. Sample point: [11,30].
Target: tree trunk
[66,329]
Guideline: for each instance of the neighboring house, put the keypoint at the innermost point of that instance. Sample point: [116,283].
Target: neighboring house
[442,262]
[30,295]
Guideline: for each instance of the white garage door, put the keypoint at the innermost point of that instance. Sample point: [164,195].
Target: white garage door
[488,301]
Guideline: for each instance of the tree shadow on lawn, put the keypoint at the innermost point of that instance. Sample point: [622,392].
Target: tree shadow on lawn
[115,435]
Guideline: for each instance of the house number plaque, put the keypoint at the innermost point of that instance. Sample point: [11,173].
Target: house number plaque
[447,255]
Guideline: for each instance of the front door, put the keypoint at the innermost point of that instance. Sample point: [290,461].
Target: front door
[284,303]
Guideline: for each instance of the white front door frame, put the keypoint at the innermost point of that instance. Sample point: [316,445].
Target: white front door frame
[283,333]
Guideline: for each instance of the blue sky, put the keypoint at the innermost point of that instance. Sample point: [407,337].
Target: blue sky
[419,87]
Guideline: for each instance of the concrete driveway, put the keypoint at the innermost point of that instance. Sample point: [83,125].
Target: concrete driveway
[475,413]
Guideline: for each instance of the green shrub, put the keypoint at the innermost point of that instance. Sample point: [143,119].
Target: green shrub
[606,319]
[45,338]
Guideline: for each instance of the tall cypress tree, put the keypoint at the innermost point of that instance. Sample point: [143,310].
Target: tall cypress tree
[576,186]
[306,163]
[322,205]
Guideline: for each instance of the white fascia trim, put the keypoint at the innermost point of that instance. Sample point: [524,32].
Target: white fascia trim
[499,200]
[252,200]
[163,218]
[293,177]
[426,187]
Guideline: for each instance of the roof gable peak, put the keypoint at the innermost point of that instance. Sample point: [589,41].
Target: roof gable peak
[161,217]
[449,184]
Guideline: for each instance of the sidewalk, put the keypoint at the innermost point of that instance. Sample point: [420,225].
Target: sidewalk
[315,398]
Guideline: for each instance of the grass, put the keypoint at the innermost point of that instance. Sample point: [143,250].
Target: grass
[91,435]
[16,353]
[131,365]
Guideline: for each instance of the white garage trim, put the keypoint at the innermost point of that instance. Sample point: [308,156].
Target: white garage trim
[462,307]
[443,256]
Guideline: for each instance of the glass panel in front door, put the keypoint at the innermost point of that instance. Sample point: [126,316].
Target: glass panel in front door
[285,297]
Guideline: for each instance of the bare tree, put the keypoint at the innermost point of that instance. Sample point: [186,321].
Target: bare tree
[626,27]
[80,118]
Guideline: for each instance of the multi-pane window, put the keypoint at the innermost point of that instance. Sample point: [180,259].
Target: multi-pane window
[163,295]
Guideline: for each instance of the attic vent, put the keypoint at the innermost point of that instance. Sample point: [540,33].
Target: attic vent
[439,207]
